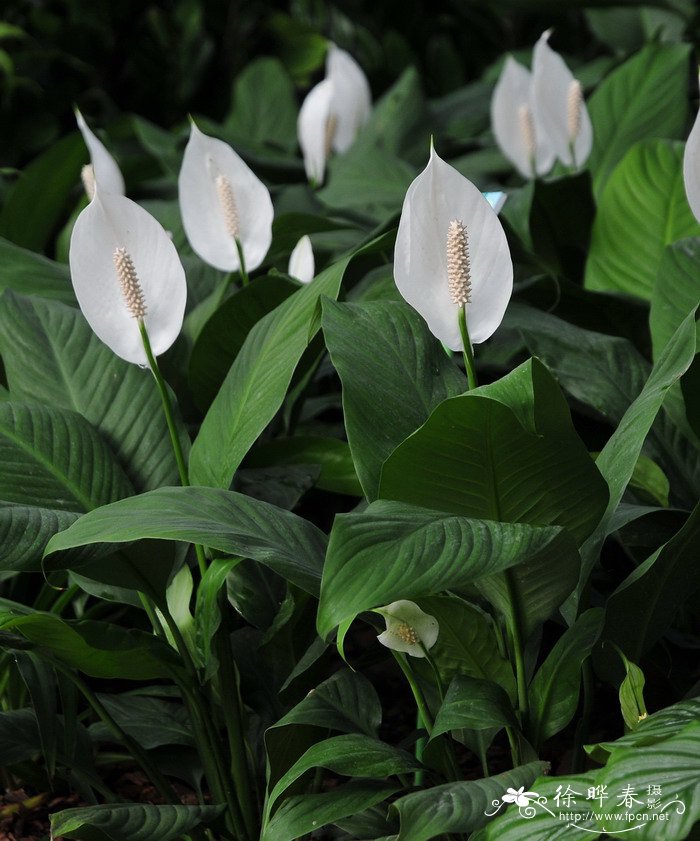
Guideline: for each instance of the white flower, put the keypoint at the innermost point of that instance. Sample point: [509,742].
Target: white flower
[691,168]
[519,797]
[408,628]
[451,250]
[222,201]
[125,270]
[301,261]
[102,169]
[333,112]
[521,139]
[559,107]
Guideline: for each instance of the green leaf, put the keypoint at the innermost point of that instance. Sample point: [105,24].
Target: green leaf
[367,180]
[675,292]
[393,372]
[608,374]
[554,691]
[473,457]
[618,458]
[457,807]
[638,101]
[380,555]
[657,727]
[333,456]
[631,695]
[223,520]
[96,648]
[131,822]
[40,680]
[150,721]
[467,643]
[268,120]
[642,608]
[54,459]
[19,736]
[257,382]
[310,812]
[223,335]
[52,356]
[351,755]
[25,530]
[643,209]
[346,702]
[42,194]
[473,703]
[32,274]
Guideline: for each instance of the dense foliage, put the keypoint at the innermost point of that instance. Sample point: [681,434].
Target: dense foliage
[199,592]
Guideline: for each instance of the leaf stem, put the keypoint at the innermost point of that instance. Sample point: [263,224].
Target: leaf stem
[468,352]
[516,634]
[172,427]
[245,280]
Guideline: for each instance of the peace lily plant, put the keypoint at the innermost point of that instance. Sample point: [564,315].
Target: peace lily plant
[317,583]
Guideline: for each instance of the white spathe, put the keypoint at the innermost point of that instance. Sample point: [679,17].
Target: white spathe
[112,222]
[691,168]
[513,120]
[105,169]
[436,197]
[301,261]
[206,164]
[313,129]
[333,112]
[408,628]
[552,85]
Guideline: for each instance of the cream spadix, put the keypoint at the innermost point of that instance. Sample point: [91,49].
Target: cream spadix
[125,270]
[222,201]
[521,140]
[691,168]
[408,628]
[560,109]
[451,251]
[102,169]
[301,261]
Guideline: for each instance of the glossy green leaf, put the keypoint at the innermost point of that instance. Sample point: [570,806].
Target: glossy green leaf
[333,457]
[473,457]
[152,722]
[457,807]
[642,210]
[257,382]
[473,703]
[642,608]
[350,755]
[381,554]
[40,680]
[631,694]
[467,643]
[32,274]
[53,458]
[302,814]
[638,101]
[223,335]
[393,372]
[32,210]
[25,530]
[263,121]
[96,648]
[554,691]
[223,520]
[51,355]
[675,292]
[19,736]
[131,822]
[619,456]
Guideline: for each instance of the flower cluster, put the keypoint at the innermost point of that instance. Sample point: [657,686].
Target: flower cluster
[540,116]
